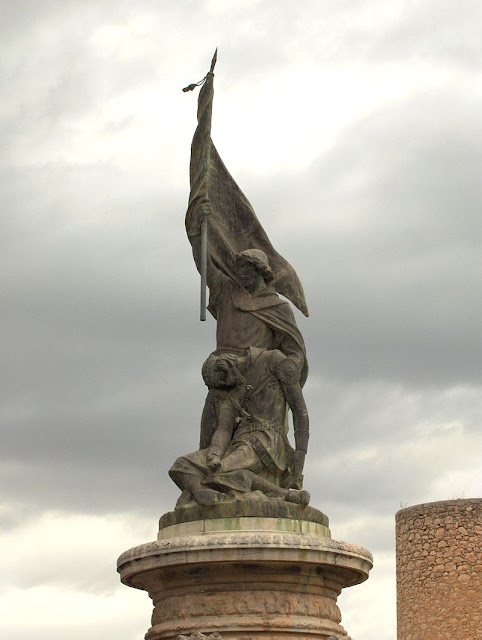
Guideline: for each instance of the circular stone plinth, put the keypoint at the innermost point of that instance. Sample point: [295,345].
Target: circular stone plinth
[245,524]
[351,560]
[246,508]
[247,569]
[274,579]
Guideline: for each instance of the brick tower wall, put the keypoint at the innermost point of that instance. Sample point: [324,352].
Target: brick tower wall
[439,570]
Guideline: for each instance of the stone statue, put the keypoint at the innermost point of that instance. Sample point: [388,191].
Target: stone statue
[243,554]
[243,444]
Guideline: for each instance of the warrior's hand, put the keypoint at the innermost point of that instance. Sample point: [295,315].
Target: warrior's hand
[199,215]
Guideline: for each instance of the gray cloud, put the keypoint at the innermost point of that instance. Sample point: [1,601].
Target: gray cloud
[433,33]
[389,263]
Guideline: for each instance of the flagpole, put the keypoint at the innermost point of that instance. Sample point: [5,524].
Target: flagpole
[204,265]
[200,183]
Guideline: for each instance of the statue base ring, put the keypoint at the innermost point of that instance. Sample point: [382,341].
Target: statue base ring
[245,576]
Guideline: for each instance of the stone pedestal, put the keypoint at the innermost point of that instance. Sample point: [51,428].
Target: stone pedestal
[260,569]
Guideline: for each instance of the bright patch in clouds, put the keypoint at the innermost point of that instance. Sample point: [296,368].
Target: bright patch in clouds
[76,551]
[61,567]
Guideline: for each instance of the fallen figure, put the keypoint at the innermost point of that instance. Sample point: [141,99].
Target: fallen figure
[245,415]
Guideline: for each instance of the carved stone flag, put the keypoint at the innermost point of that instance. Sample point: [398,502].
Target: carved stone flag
[232,223]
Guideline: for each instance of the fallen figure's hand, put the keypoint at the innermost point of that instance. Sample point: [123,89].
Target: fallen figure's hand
[213,460]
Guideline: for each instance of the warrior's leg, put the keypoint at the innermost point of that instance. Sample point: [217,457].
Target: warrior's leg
[235,474]
[188,472]
[245,481]
[290,495]
[261,484]
[241,456]
[243,463]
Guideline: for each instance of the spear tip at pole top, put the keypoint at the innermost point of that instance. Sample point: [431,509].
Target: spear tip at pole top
[191,87]
[213,61]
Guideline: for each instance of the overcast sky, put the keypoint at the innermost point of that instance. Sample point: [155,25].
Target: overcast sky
[355,130]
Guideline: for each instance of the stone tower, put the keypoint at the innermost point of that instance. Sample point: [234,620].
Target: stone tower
[439,570]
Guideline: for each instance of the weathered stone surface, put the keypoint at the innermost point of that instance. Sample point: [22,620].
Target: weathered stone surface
[245,524]
[201,636]
[275,580]
[439,570]
[267,508]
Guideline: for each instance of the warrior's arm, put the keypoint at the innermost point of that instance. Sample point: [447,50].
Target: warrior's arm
[286,340]
[222,436]
[301,423]
[291,349]
[294,397]
[208,420]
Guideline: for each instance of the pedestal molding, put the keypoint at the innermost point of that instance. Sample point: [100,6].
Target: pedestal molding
[246,584]
[246,545]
